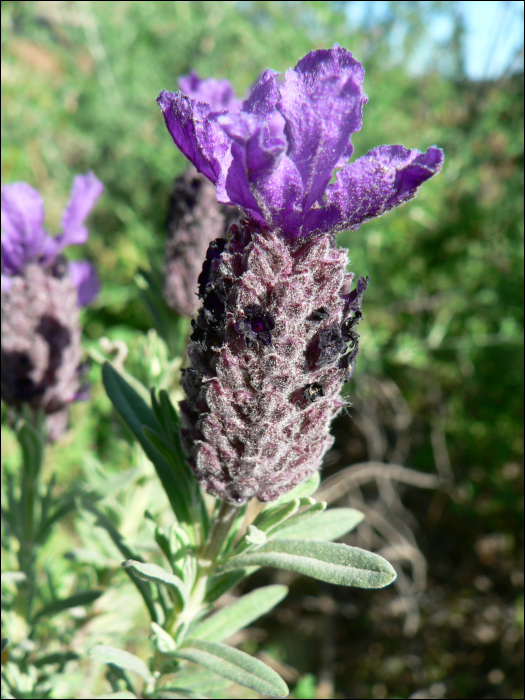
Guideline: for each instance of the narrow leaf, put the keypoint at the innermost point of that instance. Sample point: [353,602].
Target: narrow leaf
[137,415]
[218,585]
[198,679]
[267,519]
[326,561]
[299,519]
[240,614]
[122,659]
[63,604]
[330,525]
[156,574]
[163,640]
[235,665]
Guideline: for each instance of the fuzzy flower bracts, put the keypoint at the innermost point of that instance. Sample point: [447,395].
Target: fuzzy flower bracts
[41,296]
[275,338]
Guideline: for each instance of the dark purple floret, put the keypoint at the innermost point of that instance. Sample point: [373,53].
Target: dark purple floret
[256,326]
[312,392]
[331,345]
[320,314]
[213,253]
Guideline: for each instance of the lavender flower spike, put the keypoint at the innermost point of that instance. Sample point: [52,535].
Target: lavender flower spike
[275,338]
[41,295]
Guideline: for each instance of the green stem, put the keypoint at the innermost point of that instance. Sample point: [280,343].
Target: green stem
[31,437]
[216,539]
[219,532]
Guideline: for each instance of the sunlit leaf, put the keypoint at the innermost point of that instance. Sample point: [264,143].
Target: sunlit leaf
[235,665]
[122,659]
[229,620]
[326,561]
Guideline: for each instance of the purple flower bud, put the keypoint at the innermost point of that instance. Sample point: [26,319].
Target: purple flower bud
[195,220]
[275,338]
[41,295]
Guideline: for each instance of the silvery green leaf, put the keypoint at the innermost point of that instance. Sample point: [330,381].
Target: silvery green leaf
[326,561]
[235,665]
[122,659]
[229,620]
[199,679]
[267,519]
[218,585]
[299,519]
[330,525]
[156,574]
[174,473]
[163,640]
[255,536]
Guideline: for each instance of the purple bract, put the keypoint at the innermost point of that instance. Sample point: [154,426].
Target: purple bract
[25,241]
[275,156]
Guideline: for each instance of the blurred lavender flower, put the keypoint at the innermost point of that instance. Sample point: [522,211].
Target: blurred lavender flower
[195,217]
[275,338]
[41,296]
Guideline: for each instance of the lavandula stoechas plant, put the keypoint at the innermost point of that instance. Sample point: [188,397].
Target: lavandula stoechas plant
[41,296]
[275,337]
[195,217]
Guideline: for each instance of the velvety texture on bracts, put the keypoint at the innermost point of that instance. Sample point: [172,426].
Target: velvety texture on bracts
[275,338]
[195,219]
[41,296]
[272,345]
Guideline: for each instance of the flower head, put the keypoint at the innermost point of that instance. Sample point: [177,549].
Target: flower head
[275,157]
[25,241]
[275,338]
[41,294]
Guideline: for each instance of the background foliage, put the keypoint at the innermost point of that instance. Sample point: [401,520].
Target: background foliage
[439,381]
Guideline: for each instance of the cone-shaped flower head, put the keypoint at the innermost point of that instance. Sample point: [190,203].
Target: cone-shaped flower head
[275,338]
[41,296]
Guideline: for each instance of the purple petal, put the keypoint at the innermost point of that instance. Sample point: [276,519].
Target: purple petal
[84,277]
[85,191]
[196,133]
[22,223]
[219,94]
[383,179]
[322,102]
[261,179]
